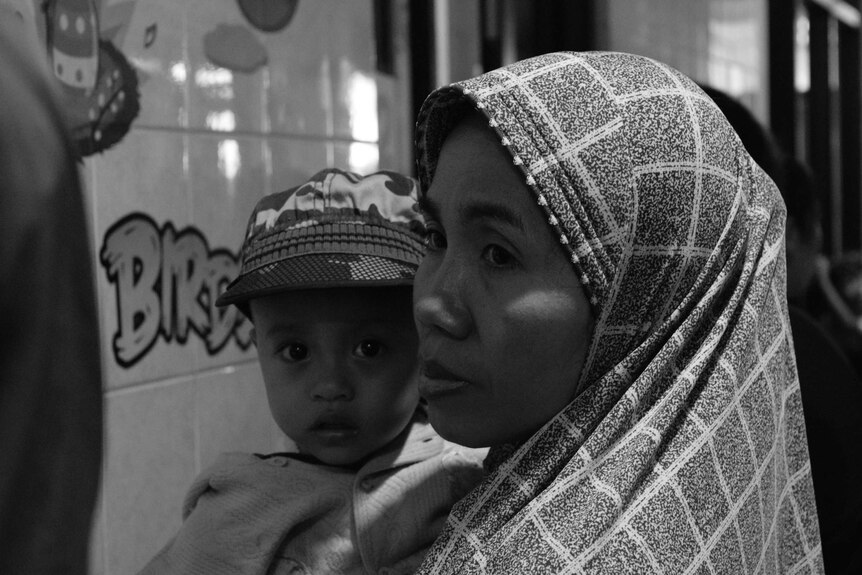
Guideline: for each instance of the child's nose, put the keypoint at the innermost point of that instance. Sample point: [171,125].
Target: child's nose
[332,385]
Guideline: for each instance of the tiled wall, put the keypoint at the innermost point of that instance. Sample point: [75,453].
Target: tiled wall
[215,131]
[718,42]
[171,197]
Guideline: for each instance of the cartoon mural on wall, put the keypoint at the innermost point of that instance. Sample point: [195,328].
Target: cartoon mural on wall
[99,84]
[166,283]
[268,15]
[236,47]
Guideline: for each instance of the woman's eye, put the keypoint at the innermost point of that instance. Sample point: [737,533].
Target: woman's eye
[497,256]
[295,352]
[434,240]
[368,348]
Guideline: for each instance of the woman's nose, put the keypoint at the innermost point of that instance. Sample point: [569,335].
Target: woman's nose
[438,300]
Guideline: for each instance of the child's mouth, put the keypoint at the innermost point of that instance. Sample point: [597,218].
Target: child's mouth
[334,428]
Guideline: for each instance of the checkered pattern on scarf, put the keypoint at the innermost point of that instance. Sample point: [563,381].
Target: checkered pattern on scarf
[686,452]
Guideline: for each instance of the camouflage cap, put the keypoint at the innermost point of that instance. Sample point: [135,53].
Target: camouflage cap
[337,229]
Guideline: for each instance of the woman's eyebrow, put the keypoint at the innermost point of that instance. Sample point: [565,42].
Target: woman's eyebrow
[477,211]
[494,211]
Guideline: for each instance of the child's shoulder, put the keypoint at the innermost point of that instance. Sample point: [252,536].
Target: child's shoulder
[452,454]
[455,455]
[424,454]
[421,443]
[235,467]
[248,477]
[463,465]
[455,458]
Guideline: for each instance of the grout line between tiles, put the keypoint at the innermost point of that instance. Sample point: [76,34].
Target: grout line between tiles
[168,381]
[253,134]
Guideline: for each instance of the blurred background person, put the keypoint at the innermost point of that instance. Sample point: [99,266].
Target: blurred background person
[845,276]
[831,388]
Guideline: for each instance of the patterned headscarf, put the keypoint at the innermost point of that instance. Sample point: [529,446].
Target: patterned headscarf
[686,450]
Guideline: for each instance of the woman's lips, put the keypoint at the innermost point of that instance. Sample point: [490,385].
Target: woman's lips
[436,380]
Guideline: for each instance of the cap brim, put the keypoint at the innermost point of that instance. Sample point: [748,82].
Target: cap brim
[315,271]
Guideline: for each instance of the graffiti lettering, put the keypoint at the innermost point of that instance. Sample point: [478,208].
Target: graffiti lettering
[166,284]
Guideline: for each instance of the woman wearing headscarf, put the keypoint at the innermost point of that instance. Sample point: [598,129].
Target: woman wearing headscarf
[603,303]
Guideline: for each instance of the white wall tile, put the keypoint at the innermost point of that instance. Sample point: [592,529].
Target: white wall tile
[298,89]
[153,40]
[149,466]
[359,157]
[228,175]
[220,95]
[294,160]
[145,174]
[354,91]
[232,413]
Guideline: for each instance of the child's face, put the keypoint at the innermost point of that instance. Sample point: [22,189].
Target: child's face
[339,367]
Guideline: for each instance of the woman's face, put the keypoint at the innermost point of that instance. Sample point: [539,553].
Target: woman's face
[504,324]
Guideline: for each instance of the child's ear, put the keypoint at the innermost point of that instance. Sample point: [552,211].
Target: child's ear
[253,335]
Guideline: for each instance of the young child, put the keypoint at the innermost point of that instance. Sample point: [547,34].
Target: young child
[326,278]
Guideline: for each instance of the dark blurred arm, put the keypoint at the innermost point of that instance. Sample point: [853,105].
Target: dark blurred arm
[50,372]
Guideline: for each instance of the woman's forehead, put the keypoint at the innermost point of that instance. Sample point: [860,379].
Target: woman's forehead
[475,174]
[472,141]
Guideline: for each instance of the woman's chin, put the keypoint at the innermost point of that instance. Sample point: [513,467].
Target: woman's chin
[464,430]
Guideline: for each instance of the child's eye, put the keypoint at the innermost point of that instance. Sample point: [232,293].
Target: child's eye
[434,240]
[295,352]
[497,256]
[368,348]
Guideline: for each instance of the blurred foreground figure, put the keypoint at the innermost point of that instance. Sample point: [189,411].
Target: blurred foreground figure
[50,379]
